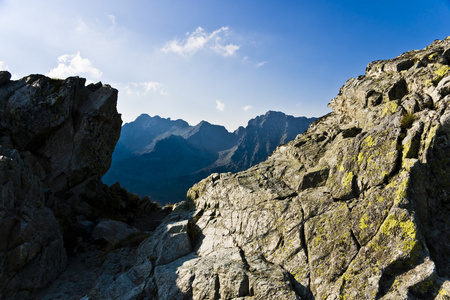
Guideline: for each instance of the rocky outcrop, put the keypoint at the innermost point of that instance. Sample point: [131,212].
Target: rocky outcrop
[56,141]
[355,208]
[163,158]
[31,244]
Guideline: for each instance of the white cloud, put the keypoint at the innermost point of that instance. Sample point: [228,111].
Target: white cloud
[112,18]
[2,65]
[248,107]
[141,88]
[200,39]
[151,86]
[260,64]
[220,105]
[73,65]
[227,50]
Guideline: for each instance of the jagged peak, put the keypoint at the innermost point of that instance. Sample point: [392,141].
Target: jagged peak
[145,118]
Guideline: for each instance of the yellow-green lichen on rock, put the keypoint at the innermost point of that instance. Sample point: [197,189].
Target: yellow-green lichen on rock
[440,72]
[330,246]
[390,108]
[369,212]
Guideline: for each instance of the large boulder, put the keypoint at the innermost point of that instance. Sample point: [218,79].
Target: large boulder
[69,129]
[66,132]
[56,141]
[355,208]
[112,232]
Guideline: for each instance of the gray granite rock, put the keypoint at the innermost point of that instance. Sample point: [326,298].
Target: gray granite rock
[355,208]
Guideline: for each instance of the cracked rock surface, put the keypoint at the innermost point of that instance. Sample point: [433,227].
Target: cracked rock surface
[355,208]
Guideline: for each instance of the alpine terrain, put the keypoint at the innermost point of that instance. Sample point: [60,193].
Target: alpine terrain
[356,207]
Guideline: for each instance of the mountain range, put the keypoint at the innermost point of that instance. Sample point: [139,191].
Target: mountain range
[163,158]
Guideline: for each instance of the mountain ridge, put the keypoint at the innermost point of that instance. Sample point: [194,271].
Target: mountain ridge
[218,150]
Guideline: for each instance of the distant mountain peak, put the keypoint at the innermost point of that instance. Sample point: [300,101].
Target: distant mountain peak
[203,122]
[273,112]
[152,145]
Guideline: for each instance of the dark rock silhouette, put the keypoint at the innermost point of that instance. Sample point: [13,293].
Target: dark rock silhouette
[56,141]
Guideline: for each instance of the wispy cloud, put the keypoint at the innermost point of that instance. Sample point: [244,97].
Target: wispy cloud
[260,64]
[141,88]
[112,18]
[2,65]
[200,39]
[74,64]
[226,50]
[81,26]
[220,105]
[248,107]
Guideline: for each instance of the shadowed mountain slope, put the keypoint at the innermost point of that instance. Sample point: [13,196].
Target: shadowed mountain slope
[163,158]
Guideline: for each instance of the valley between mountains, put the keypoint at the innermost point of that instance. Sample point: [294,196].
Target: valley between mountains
[163,158]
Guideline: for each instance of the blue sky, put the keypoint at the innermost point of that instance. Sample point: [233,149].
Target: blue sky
[220,61]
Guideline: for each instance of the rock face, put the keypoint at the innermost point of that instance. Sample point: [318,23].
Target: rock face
[31,244]
[163,158]
[56,141]
[355,208]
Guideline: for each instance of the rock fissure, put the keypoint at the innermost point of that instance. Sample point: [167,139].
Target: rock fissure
[303,243]
[355,240]
[244,260]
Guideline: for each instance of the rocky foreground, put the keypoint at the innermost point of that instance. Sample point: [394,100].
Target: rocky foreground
[355,208]
[56,141]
